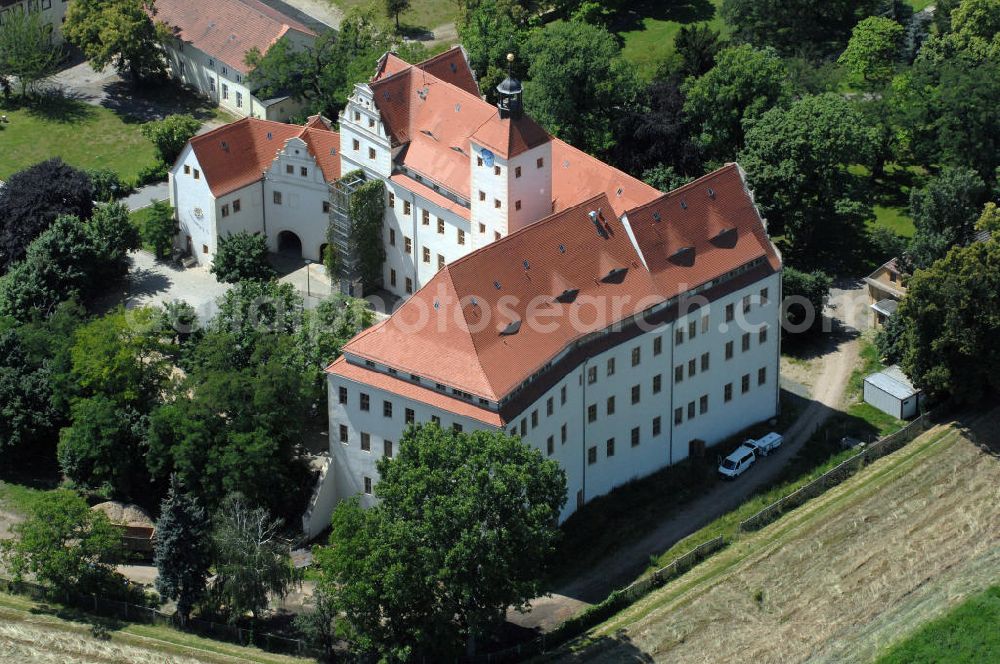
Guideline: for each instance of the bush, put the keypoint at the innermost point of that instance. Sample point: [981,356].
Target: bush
[170,134]
[814,288]
[108,185]
[159,229]
[150,174]
[242,257]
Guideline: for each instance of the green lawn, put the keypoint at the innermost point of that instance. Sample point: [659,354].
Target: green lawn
[427,14]
[649,31]
[968,634]
[82,135]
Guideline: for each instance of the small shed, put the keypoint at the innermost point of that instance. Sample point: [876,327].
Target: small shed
[136,527]
[892,392]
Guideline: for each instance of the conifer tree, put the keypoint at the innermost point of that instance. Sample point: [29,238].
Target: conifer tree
[183,549]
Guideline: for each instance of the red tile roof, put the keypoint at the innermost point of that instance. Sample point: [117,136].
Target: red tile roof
[235,155]
[576,176]
[429,194]
[452,66]
[404,388]
[450,330]
[227,29]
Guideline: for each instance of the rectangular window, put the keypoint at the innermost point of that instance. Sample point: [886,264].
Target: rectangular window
[727,393]
[704,324]
[517,171]
[496,235]
[276,197]
[690,410]
[357,116]
[761,375]
[762,334]
[482,195]
[763,296]
[342,394]
[392,277]
[610,447]
[746,304]
[678,336]
[745,383]
[692,329]
[343,433]
[517,205]
[592,412]
[611,405]
[657,383]
[356,145]
[745,342]
[534,419]
[435,420]
[456,427]
[371,122]
[636,356]
[704,362]
[197,174]
[386,409]
[635,436]
[562,395]
[303,171]
[392,237]
[371,153]
[187,169]
[409,416]
[679,373]
[539,162]
[703,404]
[427,255]
[225,210]
[657,345]
[407,207]
[656,425]
[225,88]
[365,402]
[678,415]
[592,456]
[387,448]
[482,228]
[692,367]
[730,314]
[562,433]
[425,217]
[591,375]
[611,366]
[392,200]
[729,350]
[479,161]
[549,407]
[524,427]
[407,245]
[550,445]
[289,169]
[496,170]
[366,442]
[368,485]
[496,203]
[440,223]
[440,261]
[326,207]
[409,285]
[461,236]
[635,394]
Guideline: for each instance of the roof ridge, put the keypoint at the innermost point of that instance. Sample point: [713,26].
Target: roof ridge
[472,338]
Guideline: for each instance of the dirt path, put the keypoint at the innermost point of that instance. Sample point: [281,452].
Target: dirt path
[848,308]
[838,579]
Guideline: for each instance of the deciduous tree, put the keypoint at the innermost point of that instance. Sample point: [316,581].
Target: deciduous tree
[26,49]
[120,33]
[944,213]
[804,295]
[489,30]
[393,8]
[696,46]
[63,544]
[160,228]
[796,161]
[793,25]
[31,201]
[242,257]
[29,416]
[171,134]
[744,83]
[872,51]
[463,529]
[252,562]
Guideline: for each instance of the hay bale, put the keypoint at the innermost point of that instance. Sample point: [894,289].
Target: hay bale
[121,514]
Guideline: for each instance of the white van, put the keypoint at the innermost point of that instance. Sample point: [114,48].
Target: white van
[737,463]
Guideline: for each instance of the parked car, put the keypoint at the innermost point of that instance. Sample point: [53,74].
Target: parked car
[737,463]
[766,445]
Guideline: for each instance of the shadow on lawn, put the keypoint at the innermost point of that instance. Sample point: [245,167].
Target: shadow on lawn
[154,102]
[58,107]
[686,11]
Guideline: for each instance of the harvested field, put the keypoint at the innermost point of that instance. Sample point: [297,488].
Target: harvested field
[842,577]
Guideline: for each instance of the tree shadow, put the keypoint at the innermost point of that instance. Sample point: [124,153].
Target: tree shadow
[100,626]
[415,32]
[59,107]
[684,12]
[619,648]
[145,104]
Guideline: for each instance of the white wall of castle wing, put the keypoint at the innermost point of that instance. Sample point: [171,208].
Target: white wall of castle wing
[53,14]
[299,208]
[194,206]
[659,444]
[532,189]
[364,143]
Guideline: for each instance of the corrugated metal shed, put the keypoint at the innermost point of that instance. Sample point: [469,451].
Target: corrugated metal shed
[893,381]
[892,392]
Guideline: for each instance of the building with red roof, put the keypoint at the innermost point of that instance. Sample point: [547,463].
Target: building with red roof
[210,45]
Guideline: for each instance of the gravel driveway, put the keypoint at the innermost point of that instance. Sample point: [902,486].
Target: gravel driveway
[849,310]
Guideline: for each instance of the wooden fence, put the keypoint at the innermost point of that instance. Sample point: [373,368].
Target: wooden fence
[838,474]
